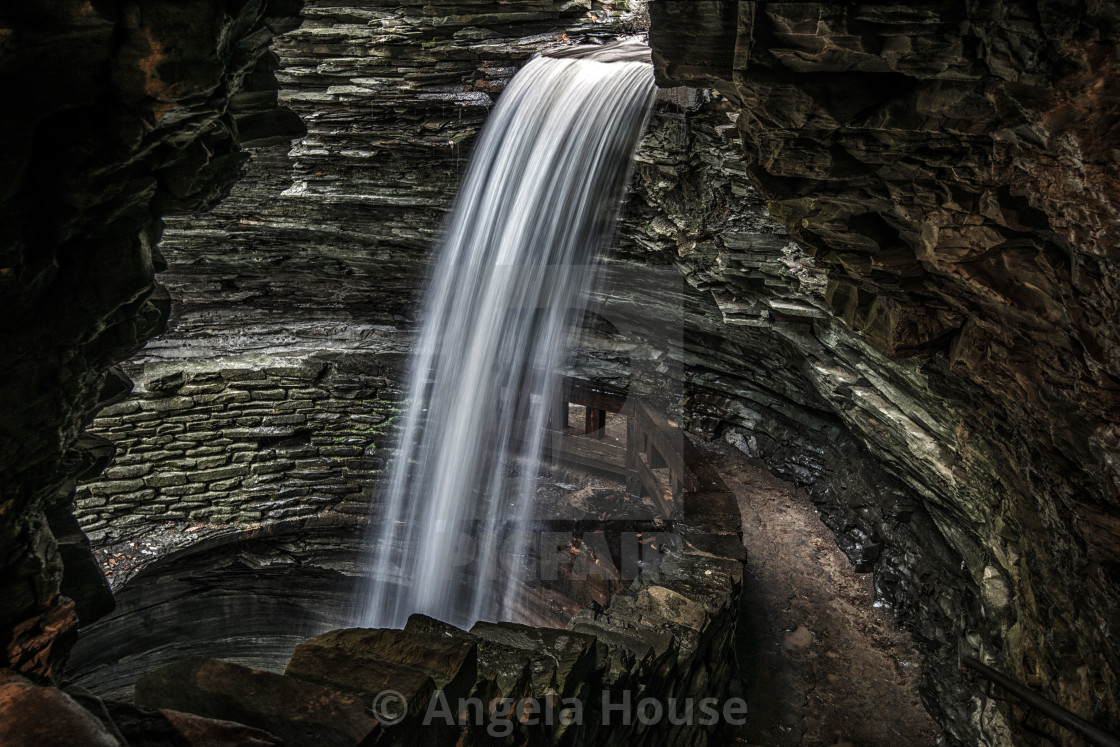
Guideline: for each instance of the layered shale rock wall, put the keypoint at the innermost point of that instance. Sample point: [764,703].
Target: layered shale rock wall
[326,241]
[896,222]
[116,113]
[240,440]
[314,263]
[951,170]
[767,368]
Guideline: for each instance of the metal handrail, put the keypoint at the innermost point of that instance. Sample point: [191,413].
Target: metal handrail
[1090,733]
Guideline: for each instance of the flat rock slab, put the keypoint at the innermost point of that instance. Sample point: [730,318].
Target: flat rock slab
[642,643]
[673,606]
[502,671]
[630,652]
[365,676]
[573,656]
[727,545]
[711,580]
[631,609]
[296,711]
[450,661]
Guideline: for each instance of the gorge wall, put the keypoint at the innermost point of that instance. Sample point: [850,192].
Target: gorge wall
[323,248]
[117,113]
[243,440]
[950,167]
[896,223]
[274,389]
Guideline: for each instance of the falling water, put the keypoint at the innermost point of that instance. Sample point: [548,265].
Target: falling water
[539,201]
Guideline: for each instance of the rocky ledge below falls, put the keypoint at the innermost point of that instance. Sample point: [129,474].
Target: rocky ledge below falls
[662,639]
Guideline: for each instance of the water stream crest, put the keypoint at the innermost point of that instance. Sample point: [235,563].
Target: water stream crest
[539,202]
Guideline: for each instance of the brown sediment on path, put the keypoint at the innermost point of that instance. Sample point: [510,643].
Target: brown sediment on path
[821,665]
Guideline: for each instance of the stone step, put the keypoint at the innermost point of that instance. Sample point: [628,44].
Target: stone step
[376,660]
[366,677]
[502,670]
[560,659]
[295,710]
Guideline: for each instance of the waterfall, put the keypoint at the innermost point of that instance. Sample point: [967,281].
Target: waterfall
[538,205]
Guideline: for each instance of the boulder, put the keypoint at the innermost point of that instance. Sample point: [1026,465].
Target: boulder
[451,663]
[31,714]
[295,710]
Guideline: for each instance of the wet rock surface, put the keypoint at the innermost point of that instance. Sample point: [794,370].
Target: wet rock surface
[393,96]
[251,592]
[292,709]
[932,356]
[945,170]
[116,116]
[678,623]
[765,365]
[238,440]
[247,594]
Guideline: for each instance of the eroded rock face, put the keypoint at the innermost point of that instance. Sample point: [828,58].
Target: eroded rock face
[769,369]
[317,257]
[116,113]
[911,357]
[325,242]
[247,595]
[951,169]
[272,393]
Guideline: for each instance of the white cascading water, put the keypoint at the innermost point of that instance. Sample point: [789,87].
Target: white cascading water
[539,202]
